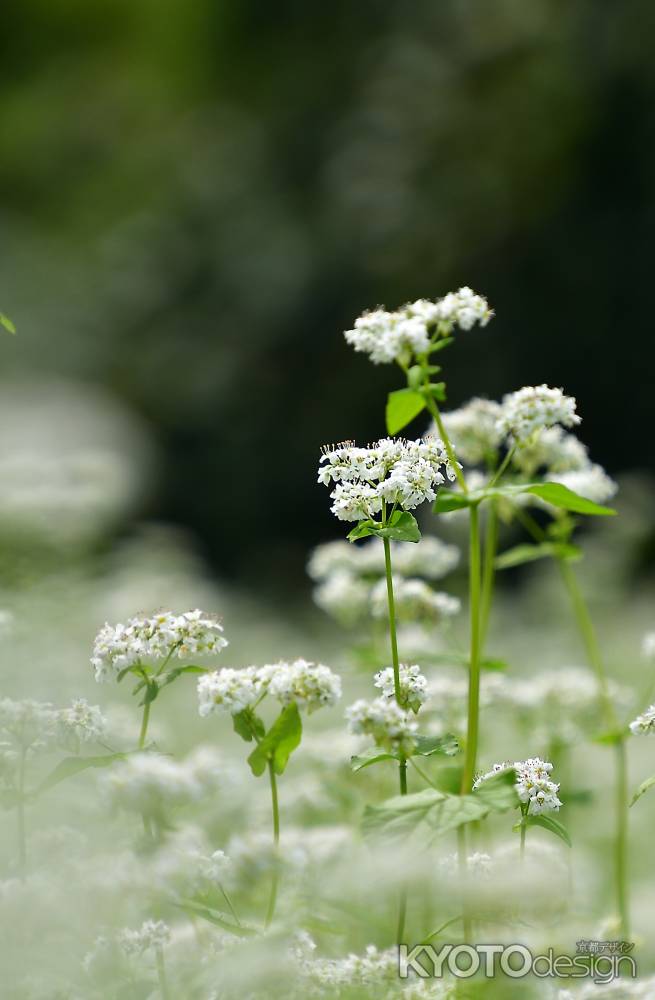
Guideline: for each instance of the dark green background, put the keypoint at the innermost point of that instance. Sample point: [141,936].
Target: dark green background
[198,197]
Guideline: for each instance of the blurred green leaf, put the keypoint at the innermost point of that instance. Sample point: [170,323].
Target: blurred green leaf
[427,746]
[7,323]
[278,743]
[216,917]
[547,823]
[71,766]
[248,725]
[448,500]
[373,755]
[401,527]
[402,406]
[521,554]
[643,788]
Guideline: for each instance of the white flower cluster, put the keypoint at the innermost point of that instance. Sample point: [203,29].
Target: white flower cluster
[533,784]
[27,725]
[151,934]
[478,864]
[590,482]
[430,558]
[553,449]
[474,430]
[533,408]
[80,723]
[409,331]
[648,645]
[413,685]
[389,725]
[644,723]
[393,471]
[413,599]
[156,637]
[343,596]
[151,783]
[309,685]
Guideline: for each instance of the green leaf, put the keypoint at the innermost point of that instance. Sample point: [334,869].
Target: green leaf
[437,390]
[425,816]
[373,755]
[493,663]
[278,743]
[402,406]
[216,917]
[152,691]
[440,344]
[611,737]
[448,500]
[401,527]
[71,766]
[427,746]
[643,788]
[548,823]
[564,498]
[7,323]
[530,553]
[172,675]
[248,725]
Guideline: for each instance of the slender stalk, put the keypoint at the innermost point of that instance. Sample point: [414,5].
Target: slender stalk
[474,661]
[22,838]
[276,843]
[392,620]
[488,570]
[144,725]
[230,904]
[590,641]
[462,861]
[524,830]
[433,410]
[161,974]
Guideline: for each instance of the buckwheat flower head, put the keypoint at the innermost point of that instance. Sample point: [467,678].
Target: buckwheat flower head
[152,934]
[80,723]
[404,473]
[533,408]
[414,599]
[28,725]
[473,430]
[413,685]
[553,450]
[533,784]
[389,725]
[309,685]
[151,783]
[343,595]
[591,482]
[648,645]
[430,558]
[156,637]
[229,690]
[644,723]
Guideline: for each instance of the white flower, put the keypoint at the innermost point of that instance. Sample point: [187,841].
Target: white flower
[80,723]
[151,934]
[228,689]
[553,450]
[473,430]
[405,473]
[28,725]
[385,721]
[413,685]
[343,595]
[430,558]
[413,599]
[644,723]
[590,482]
[309,685]
[533,784]
[535,407]
[157,637]
[648,645]
[151,783]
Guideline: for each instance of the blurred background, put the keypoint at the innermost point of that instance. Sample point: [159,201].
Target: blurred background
[198,198]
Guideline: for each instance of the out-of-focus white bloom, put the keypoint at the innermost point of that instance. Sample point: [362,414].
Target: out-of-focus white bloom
[408,332]
[554,450]
[80,723]
[151,934]
[448,697]
[430,558]
[309,685]
[413,599]
[533,784]
[648,645]
[354,972]
[150,783]
[7,622]
[413,685]
[473,430]
[644,723]
[591,482]
[156,637]
[386,722]
[343,595]
[404,473]
[28,725]
[229,690]
[478,864]
[533,408]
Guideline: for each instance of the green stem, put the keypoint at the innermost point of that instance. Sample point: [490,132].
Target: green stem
[392,620]
[230,905]
[276,843]
[489,569]
[588,634]
[433,410]
[502,467]
[462,861]
[524,830]
[144,725]
[161,974]
[22,838]
[474,660]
